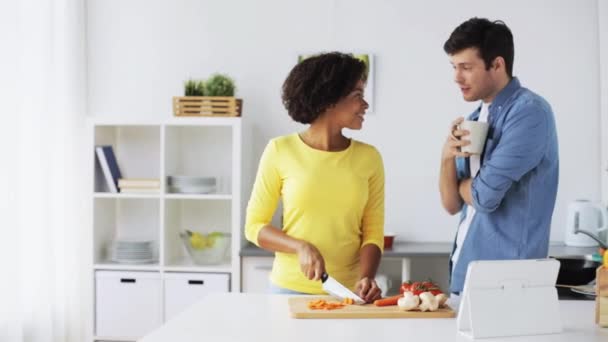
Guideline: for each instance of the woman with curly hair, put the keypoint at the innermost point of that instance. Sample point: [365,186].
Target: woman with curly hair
[331,186]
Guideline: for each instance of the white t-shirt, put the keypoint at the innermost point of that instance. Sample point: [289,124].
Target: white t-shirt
[475,164]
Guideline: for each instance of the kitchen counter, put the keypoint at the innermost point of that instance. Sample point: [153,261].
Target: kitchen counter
[427,249]
[261,317]
[405,251]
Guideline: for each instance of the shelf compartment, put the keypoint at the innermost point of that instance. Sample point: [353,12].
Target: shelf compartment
[137,151]
[200,152]
[124,218]
[196,215]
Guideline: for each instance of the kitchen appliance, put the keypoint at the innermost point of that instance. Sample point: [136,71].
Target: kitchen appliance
[334,288]
[576,269]
[298,308]
[588,217]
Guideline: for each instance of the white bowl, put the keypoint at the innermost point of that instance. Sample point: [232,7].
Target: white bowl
[213,255]
[192,189]
[182,181]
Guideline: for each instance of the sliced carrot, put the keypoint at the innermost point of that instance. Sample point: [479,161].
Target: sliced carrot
[321,304]
[348,301]
[388,300]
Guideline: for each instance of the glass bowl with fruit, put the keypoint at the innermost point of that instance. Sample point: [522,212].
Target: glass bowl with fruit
[206,249]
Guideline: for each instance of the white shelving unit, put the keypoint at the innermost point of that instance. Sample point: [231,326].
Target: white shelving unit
[157,149]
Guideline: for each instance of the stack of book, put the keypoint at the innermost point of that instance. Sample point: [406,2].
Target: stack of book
[139,185]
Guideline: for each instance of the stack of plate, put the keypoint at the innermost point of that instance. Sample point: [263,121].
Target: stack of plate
[132,251]
[191,184]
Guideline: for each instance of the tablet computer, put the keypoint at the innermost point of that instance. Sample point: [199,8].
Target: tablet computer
[507,298]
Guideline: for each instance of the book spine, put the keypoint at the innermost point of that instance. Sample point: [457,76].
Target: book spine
[103,162]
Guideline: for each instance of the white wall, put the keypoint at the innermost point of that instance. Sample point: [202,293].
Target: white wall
[140,52]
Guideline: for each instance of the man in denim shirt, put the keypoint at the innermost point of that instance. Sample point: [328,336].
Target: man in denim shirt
[506,195]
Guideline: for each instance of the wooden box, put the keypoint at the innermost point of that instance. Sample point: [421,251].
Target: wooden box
[601,298]
[207,106]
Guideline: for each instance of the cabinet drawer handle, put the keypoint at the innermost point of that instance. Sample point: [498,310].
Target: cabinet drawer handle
[127,280]
[196,282]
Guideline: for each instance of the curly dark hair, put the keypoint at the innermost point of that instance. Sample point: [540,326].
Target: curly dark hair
[491,38]
[319,82]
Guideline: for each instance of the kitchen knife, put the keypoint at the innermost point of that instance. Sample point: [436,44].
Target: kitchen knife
[334,288]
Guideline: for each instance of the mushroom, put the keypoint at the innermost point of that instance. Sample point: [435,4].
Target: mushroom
[428,302]
[408,302]
[441,299]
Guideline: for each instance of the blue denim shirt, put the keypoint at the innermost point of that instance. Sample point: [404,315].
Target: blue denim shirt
[515,189]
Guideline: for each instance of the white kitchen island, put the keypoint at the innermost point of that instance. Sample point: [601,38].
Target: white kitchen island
[241,317]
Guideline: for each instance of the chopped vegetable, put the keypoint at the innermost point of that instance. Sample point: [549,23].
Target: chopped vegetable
[322,304]
[348,301]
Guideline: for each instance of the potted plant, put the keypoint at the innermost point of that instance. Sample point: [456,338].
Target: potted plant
[220,85]
[214,97]
[194,88]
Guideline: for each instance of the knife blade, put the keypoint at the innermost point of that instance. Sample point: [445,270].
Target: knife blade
[335,289]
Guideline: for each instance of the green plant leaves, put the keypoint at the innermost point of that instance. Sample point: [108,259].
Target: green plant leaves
[194,88]
[220,85]
[216,85]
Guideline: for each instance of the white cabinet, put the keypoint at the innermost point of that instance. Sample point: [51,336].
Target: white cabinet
[185,289]
[128,304]
[199,147]
[256,273]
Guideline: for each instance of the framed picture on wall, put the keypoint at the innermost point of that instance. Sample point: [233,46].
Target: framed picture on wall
[366,58]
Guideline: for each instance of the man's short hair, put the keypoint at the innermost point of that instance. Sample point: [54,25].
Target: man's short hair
[491,38]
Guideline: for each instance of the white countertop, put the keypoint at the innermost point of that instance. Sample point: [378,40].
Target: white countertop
[261,317]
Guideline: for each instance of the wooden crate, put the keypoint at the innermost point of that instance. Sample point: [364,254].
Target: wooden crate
[207,106]
[601,298]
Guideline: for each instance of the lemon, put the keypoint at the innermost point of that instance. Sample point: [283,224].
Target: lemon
[198,241]
[212,238]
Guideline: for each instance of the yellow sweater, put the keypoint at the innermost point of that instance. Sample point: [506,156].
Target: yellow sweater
[334,200]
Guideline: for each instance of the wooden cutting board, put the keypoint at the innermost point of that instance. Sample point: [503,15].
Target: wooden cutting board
[298,308]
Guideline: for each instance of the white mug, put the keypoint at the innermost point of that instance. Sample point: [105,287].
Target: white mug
[478,131]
